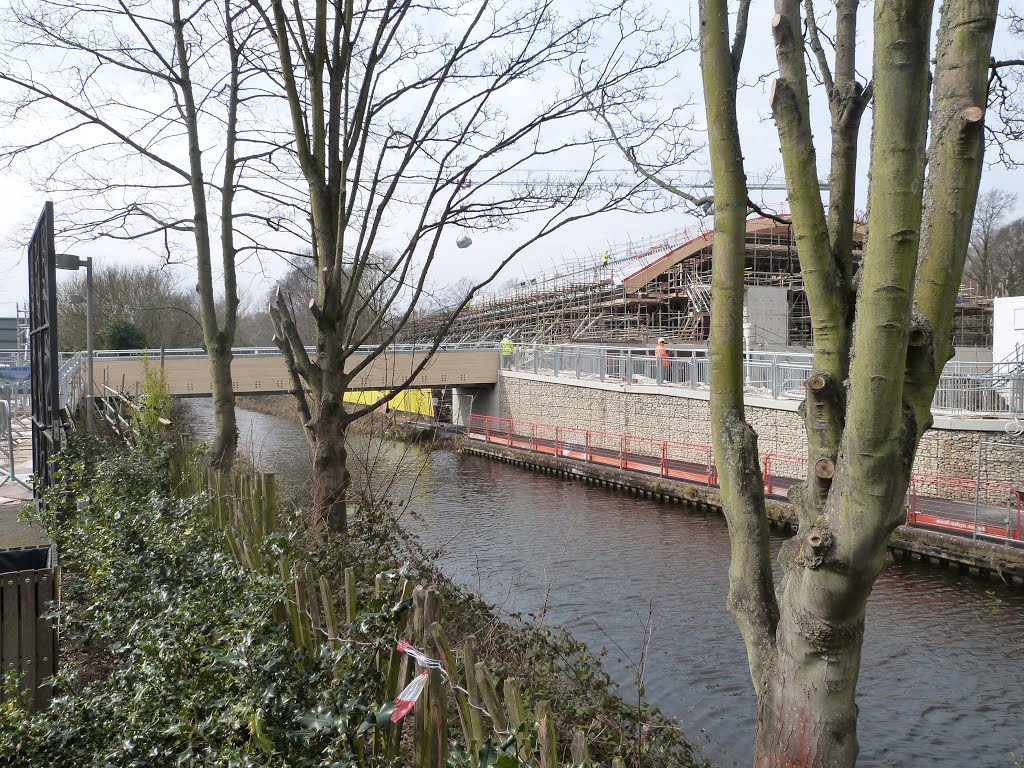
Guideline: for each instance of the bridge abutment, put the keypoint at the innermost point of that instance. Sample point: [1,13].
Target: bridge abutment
[476,401]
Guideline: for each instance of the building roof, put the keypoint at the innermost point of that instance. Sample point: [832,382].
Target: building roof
[761,225]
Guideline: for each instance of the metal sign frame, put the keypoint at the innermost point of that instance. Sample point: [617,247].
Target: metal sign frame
[45,360]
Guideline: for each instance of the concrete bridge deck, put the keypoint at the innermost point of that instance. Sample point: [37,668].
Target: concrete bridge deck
[261,370]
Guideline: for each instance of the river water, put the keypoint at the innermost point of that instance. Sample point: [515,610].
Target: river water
[942,681]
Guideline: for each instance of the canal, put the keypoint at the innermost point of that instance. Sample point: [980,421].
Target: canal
[942,681]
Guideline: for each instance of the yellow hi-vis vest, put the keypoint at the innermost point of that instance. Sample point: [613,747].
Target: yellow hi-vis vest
[507,346]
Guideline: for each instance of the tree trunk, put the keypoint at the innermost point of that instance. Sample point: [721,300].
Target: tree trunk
[751,593]
[807,713]
[225,441]
[330,469]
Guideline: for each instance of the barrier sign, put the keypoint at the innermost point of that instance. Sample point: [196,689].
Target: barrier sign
[15,372]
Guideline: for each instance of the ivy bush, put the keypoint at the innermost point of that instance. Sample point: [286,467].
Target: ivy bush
[201,675]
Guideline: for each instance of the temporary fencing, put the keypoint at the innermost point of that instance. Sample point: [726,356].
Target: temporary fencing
[963,505]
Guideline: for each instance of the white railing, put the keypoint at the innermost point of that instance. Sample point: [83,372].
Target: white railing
[965,388]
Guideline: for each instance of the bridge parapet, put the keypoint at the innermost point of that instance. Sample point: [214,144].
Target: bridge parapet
[261,370]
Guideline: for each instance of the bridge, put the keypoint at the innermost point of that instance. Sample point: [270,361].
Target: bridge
[261,370]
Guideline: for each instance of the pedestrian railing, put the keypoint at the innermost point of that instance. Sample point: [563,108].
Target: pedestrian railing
[965,389]
[987,509]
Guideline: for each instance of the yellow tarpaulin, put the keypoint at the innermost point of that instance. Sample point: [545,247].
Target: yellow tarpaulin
[410,401]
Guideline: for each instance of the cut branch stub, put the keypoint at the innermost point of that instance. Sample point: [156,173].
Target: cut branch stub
[972,116]
[824,469]
[816,547]
[918,337]
[780,29]
[817,382]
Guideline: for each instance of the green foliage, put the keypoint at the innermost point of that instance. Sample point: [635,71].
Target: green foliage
[121,333]
[201,674]
[153,406]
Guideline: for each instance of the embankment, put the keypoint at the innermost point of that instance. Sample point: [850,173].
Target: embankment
[978,558]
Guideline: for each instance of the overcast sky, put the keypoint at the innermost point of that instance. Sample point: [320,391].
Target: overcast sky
[21,204]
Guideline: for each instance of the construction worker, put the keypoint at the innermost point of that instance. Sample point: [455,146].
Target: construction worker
[507,348]
[662,359]
[605,258]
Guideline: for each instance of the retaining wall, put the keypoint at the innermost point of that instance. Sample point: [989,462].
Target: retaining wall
[684,415]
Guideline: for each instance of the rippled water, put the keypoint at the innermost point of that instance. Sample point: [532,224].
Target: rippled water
[942,681]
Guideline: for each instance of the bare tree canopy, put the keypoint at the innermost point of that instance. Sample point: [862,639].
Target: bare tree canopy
[149,127]
[992,262]
[424,117]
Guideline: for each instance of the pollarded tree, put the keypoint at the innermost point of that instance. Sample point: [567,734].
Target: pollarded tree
[868,398]
[421,118]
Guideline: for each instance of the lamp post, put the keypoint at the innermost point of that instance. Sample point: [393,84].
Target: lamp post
[72,262]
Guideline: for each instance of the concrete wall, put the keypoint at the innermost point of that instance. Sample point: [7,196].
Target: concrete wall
[1007,326]
[951,448]
[766,308]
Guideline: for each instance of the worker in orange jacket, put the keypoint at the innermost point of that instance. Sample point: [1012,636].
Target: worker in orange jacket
[662,358]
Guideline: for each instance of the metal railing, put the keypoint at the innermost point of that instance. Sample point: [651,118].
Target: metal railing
[9,424]
[985,509]
[18,396]
[965,388]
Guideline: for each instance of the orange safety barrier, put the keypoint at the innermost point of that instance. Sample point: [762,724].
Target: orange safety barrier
[990,508]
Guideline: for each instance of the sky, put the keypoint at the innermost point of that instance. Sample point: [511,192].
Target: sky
[20,203]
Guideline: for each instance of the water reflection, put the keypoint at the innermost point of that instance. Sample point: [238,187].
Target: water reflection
[943,664]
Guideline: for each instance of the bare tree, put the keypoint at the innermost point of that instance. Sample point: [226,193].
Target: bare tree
[412,116]
[868,398]
[984,264]
[127,99]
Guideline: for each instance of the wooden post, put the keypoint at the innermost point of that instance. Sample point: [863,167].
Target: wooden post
[578,750]
[490,697]
[461,701]
[350,595]
[516,714]
[475,701]
[421,731]
[546,736]
[437,704]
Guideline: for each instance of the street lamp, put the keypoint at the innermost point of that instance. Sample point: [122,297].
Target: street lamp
[72,262]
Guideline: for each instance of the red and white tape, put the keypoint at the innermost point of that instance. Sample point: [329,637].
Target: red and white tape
[407,698]
[411,693]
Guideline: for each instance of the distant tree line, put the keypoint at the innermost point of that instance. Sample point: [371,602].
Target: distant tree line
[995,259]
[136,306]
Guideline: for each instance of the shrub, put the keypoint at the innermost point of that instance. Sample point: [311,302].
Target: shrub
[153,407]
[121,333]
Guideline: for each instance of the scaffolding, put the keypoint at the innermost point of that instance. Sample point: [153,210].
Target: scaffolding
[659,287]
